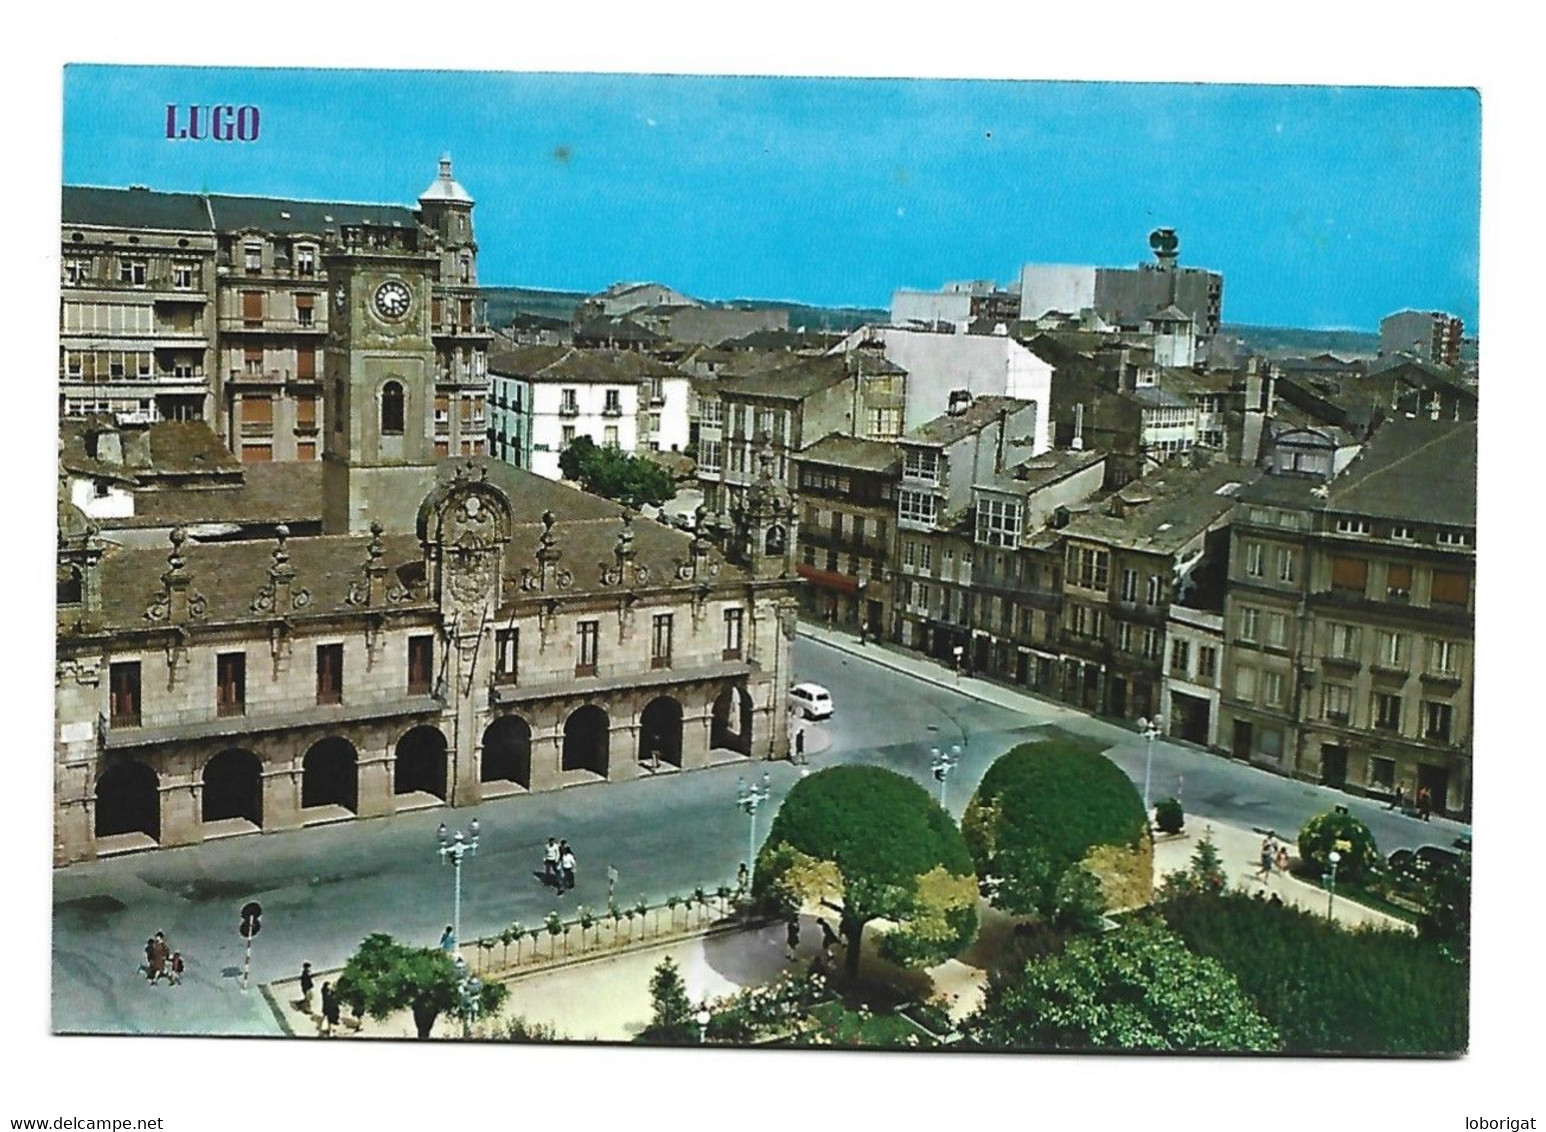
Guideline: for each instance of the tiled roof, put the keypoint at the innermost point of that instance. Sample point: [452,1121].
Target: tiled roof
[283,492]
[799,377]
[1167,508]
[571,363]
[946,429]
[297,217]
[1412,469]
[229,574]
[1153,397]
[851,452]
[135,208]
[165,448]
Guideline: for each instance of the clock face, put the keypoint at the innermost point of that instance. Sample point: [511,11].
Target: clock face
[392,299]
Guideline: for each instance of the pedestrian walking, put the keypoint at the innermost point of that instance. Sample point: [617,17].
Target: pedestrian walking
[1399,801]
[565,866]
[176,976]
[159,952]
[743,880]
[799,745]
[447,942]
[550,862]
[1267,855]
[1283,859]
[150,959]
[1424,803]
[611,883]
[864,631]
[329,1008]
[307,982]
[828,940]
[792,938]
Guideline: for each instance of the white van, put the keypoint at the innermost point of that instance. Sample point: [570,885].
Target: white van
[811,700]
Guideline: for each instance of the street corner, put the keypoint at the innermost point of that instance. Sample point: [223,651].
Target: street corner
[808,737]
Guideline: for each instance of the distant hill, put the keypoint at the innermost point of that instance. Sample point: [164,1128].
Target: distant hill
[1289,341]
[505,302]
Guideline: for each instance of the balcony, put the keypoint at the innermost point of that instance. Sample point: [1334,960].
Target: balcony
[569,410]
[261,376]
[266,325]
[612,411]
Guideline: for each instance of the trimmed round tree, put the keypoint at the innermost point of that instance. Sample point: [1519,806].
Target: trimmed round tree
[1343,832]
[1046,807]
[876,845]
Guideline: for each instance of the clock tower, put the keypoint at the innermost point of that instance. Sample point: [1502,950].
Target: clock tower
[378,456]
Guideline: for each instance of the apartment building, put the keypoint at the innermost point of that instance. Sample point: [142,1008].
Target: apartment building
[788,402]
[941,462]
[847,491]
[1153,544]
[218,307]
[136,320]
[1350,619]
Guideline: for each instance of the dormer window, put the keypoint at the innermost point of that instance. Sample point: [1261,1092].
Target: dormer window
[305,259]
[252,258]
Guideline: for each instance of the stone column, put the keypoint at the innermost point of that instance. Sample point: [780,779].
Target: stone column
[547,750]
[375,783]
[180,823]
[281,796]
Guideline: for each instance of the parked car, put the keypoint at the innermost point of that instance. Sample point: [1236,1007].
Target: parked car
[811,700]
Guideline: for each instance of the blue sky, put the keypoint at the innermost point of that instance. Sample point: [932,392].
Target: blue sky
[1323,206]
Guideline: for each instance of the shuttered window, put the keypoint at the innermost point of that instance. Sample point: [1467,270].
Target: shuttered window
[252,306]
[257,410]
[1450,588]
[1349,574]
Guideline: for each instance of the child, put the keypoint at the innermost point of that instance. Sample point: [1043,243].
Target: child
[176,976]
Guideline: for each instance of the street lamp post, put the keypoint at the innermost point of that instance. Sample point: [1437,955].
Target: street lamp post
[749,798]
[453,847]
[1331,880]
[703,1018]
[942,764]
[469,990]
[1149,729]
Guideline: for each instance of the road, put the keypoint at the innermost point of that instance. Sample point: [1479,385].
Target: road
[324,889]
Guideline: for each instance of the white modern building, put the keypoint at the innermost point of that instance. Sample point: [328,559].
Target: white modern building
[941,367]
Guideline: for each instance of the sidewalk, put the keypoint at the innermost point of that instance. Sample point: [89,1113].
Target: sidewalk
[1240,851]
[603,999]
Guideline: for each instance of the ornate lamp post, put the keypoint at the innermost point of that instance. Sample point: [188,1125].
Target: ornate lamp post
[469,989]
[1149,729]
[1331,880]
[942,764]
[703,1018]
[749,799]
[453,847]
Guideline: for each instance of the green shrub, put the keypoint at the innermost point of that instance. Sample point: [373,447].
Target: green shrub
[1039,810]
[1325,988]
[1349,836]
[1168,817]
[1137,988]
[671,1019]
